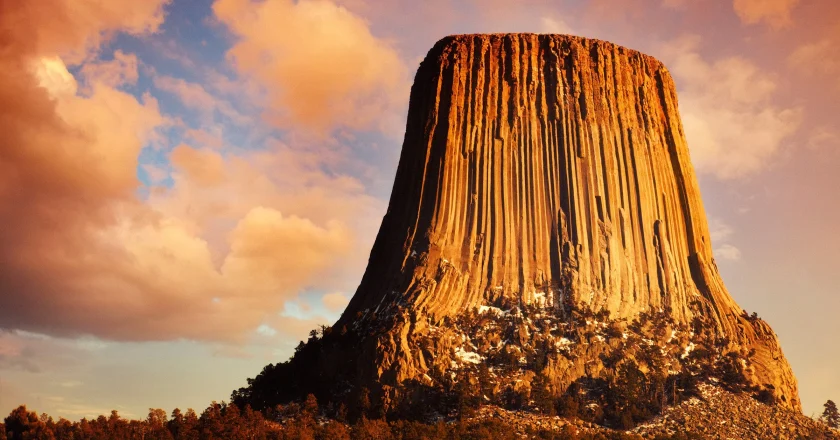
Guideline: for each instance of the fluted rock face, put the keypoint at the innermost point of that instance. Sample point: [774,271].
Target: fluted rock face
[548,170]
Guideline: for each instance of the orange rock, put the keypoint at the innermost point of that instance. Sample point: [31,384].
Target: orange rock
[548,170]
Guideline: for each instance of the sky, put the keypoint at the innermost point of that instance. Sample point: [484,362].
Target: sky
[188,187]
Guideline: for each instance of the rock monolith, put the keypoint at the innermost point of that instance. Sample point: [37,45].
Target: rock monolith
[541,171]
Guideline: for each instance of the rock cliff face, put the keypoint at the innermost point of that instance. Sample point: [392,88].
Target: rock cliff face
[547,170]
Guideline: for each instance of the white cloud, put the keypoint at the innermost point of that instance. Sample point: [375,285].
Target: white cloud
[551,25]
[266,330]
[719,230]
[727,252]
[720,233]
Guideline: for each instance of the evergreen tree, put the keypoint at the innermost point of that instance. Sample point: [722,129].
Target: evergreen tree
[24,424]
[541,395]
[830,415]
[464,395]
[363,403]
[156,425]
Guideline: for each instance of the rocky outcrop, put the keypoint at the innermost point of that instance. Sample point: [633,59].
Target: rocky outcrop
[545,232]
[714,414]
[542,167]
[719,414]
[547,170]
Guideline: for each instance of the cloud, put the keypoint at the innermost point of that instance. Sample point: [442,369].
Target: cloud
[194,96]
[819,58]
[202,166]
[674,4]
[212,256]
[319,63]
[824,138]
[551,25]
[155,174]
[122,70]
[720,232]
[775,13]
[75,28]
[266,330]
[812,56]
[67,164]
[727,252]
[191,94]
[731,123]
[335,301]
[272,252]
[33,353]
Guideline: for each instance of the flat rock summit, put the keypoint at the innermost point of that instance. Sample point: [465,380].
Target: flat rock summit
[545,224]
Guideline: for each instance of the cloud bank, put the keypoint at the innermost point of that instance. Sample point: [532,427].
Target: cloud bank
[213,256]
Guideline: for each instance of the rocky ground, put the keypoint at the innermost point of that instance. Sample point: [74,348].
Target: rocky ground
[525,422]
[716,414]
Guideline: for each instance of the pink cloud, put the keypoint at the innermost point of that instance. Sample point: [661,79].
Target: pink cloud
[335,301]
[74,28]
[820,58]
[732,126]
[320,63]
[120,71]
[195,96]
[191,94]
[211,258]
[775,13]
[205,167]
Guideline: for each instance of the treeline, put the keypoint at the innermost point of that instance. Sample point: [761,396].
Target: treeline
[290,422]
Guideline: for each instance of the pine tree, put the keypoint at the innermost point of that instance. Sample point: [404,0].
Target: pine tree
[830,415]
[541,395]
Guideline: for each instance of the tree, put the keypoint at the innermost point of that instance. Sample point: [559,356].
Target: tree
[363,403]
[211,424]
[310,406]
[376,429]
[830,415]
[464,395]
[175,425]
[24,424]
[155,424]
[184,426]
[542,396]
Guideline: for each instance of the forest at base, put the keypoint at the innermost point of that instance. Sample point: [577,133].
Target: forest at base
[303,421]
[293,422]
[307,420]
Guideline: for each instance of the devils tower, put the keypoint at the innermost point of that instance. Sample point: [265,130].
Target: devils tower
[546,173]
